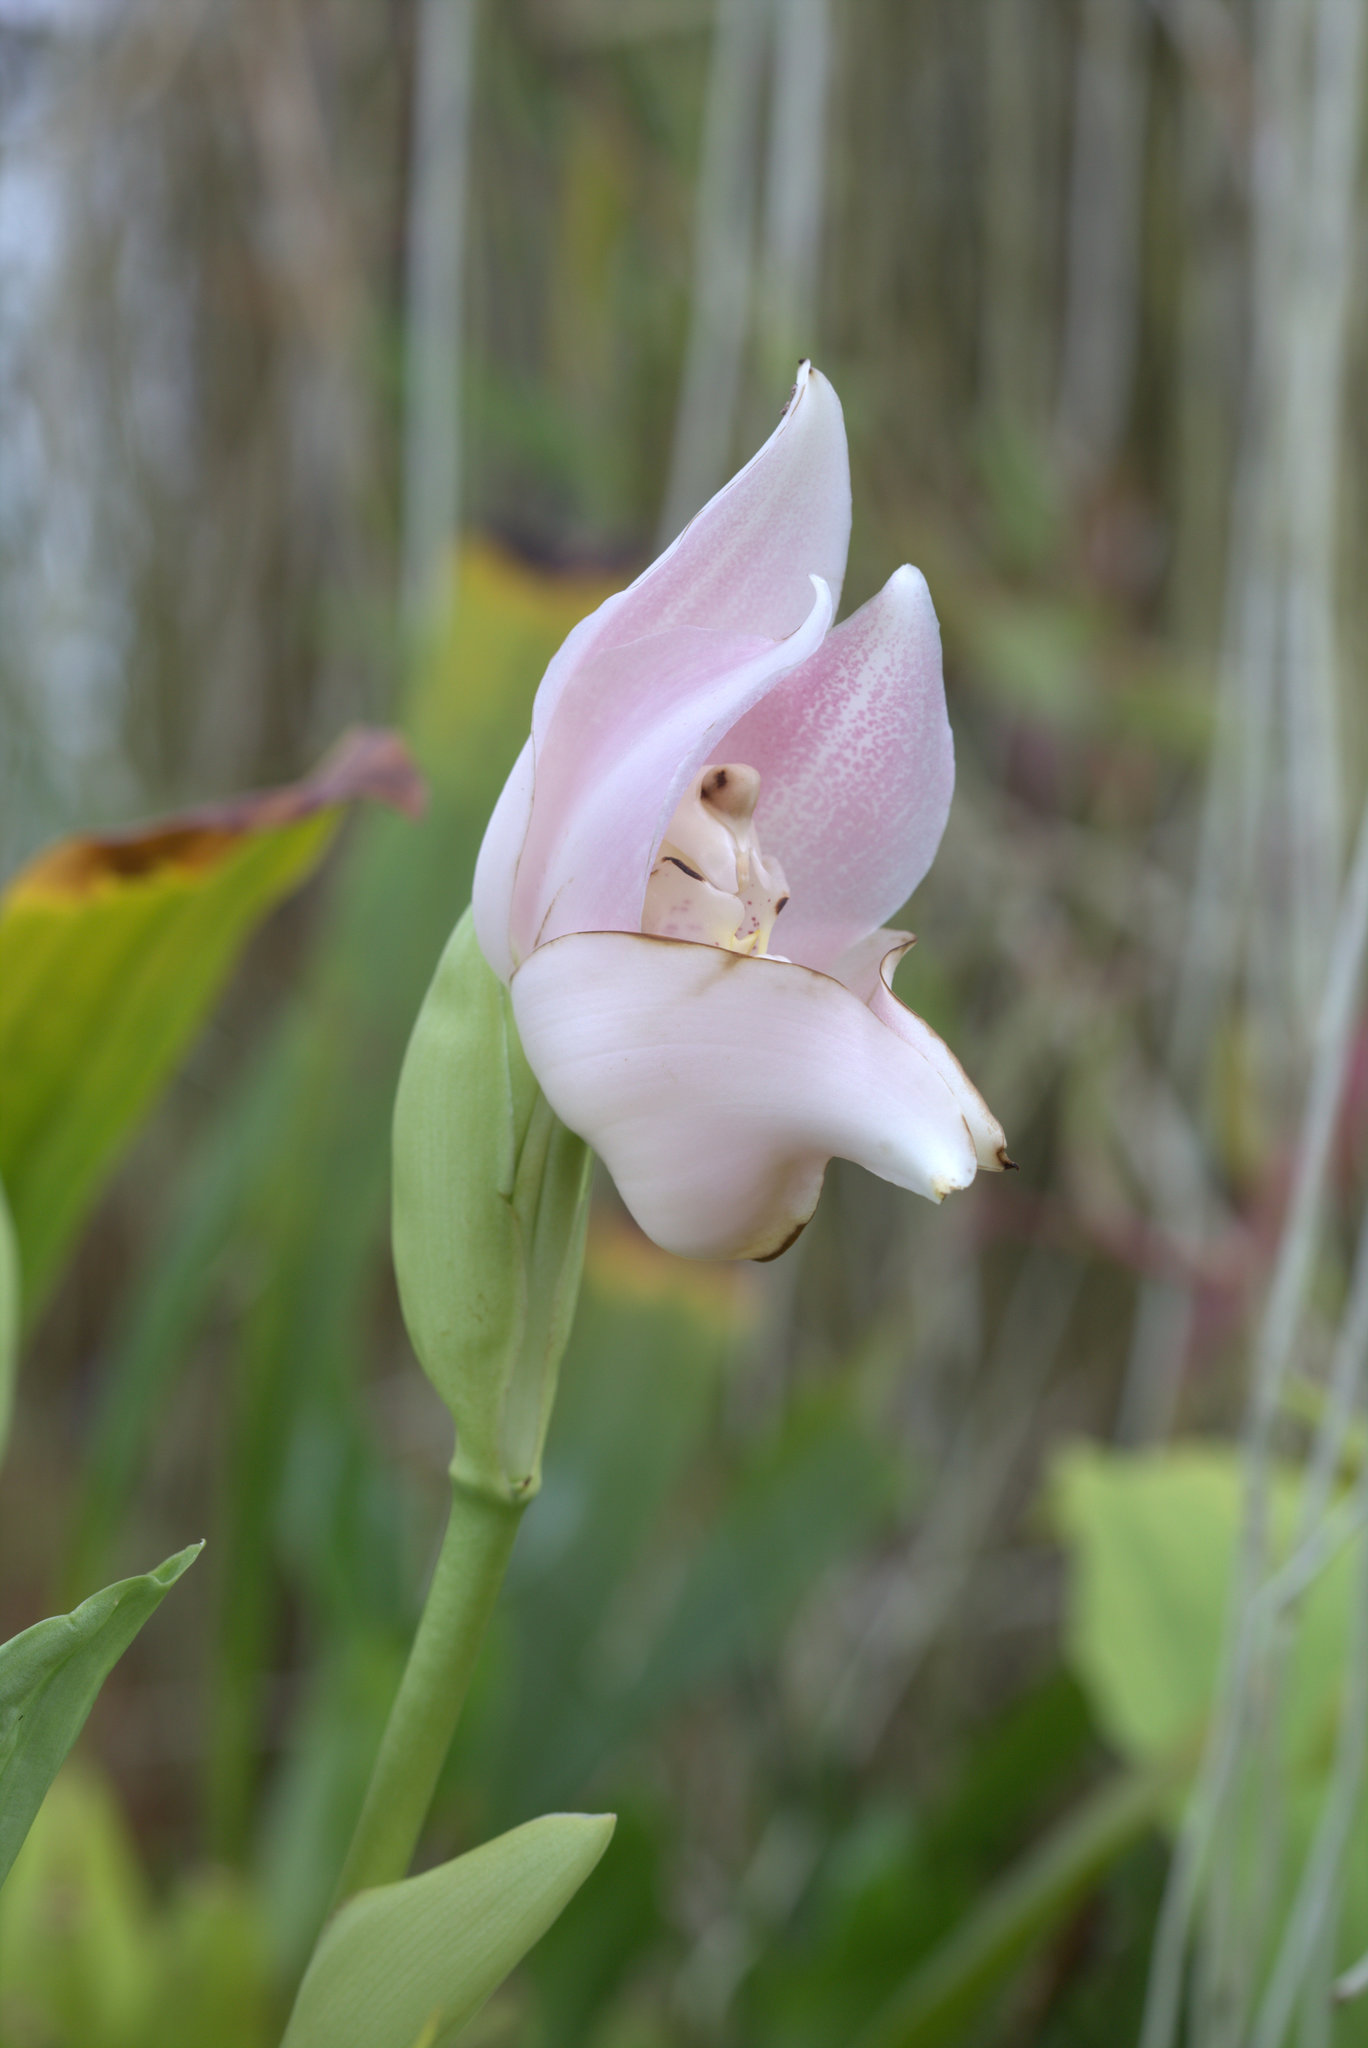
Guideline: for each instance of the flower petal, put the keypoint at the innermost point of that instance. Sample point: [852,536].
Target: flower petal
[496,867]
[717,1085]
[617,759]
[735,587]
[857,768]
[743,564]
[866,969]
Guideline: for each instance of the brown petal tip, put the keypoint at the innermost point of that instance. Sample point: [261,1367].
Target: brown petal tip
[1007,1164]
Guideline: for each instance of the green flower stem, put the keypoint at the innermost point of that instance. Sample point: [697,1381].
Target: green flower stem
[465,1585]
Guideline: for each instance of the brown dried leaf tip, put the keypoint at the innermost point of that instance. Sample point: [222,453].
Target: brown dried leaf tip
[368,761]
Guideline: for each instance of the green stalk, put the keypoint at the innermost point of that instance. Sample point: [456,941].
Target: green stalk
[465,1584]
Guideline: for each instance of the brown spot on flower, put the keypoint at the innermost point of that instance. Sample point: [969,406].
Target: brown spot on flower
[763,1258]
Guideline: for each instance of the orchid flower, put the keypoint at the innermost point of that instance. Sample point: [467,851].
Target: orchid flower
[686,877]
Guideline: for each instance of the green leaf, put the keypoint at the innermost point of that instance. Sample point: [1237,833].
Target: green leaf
[49,1677]
[91,1954]
[1153,1538]
[415,1961]
[9,1317]
[113,949]
[78,1957]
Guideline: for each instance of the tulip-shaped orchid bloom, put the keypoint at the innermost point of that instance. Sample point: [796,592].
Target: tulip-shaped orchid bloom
[686,877]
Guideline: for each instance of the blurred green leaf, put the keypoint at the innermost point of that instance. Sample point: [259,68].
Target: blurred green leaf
[114,948]
[413,1962]
[9,1316]
[76,1958]
[1152,1538]
[902,1875]
[49,1677]
[90,1959]
[152,1334]
[806,1501]
[1007,1924]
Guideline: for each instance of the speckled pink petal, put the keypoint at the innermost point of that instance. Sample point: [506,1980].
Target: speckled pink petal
[857,769]
[716,1086]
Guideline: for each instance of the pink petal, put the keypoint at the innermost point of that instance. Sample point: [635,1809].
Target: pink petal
[743,564]
[716,1086]
[496,868]
[638,724]
[735,589]
[866,969]
[857,768]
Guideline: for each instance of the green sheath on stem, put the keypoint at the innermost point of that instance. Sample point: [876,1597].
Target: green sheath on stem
[490,1204]
[465,1585]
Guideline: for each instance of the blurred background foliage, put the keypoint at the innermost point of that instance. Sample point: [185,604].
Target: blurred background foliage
[898,1688]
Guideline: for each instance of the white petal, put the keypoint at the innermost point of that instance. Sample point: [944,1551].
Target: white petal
[866,969]
[496,867]
[717,1085]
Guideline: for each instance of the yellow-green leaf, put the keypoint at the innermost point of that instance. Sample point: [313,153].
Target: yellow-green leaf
[113,947]
[414,1962]
[9,1315]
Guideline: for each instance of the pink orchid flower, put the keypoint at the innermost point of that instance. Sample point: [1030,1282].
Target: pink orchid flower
[686,877]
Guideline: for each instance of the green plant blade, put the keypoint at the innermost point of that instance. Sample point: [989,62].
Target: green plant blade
[944,1994]
[415,1961]
[49,1677]
[9,1317]
[114,947]
[1152,1539]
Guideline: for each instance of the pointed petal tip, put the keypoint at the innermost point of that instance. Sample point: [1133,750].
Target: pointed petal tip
[908,581]
[812,392]
[1005,1163]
